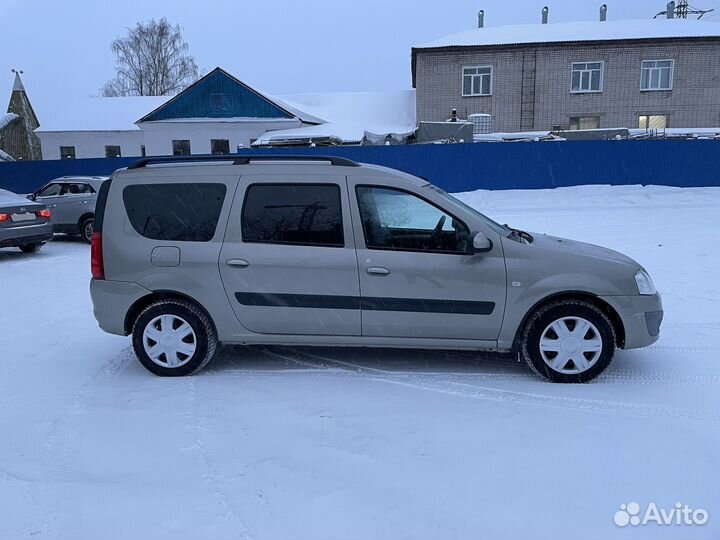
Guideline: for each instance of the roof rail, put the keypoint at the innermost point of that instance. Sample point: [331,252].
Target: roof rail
[241,159]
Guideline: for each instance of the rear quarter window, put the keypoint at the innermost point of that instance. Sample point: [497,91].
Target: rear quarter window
[183,212]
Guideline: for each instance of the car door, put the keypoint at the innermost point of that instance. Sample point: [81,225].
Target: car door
[288,261]
[76,201]
[54,195]
[417,278]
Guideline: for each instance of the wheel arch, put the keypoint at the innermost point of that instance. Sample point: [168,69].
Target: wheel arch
[139,306]
[85,216]
[606,308]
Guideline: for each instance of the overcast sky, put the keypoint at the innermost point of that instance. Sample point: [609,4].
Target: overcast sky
[280,46]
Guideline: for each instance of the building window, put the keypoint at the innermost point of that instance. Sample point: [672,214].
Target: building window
[653,121]
[142,150]
[221,102]
[584,122]
[477,81]
[181,147]
[657,74]
[112,151]
[219,146]
[67,152]
[587,77]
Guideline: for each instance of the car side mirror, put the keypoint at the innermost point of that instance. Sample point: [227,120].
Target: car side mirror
[31,196]
[481,243]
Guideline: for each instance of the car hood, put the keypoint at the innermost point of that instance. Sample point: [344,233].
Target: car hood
[564,245]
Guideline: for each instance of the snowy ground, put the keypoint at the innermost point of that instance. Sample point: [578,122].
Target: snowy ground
[315,444]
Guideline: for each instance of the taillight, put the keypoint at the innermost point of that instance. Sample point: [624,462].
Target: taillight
[97,265]
[43,213]
[4,217]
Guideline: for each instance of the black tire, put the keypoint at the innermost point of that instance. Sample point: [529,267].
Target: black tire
[544,316]
[86,229]
[205,337]
[30,248]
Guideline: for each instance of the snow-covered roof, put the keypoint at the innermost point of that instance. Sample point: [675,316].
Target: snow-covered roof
[349,114]
[6,119]
[578,31]
[99,113]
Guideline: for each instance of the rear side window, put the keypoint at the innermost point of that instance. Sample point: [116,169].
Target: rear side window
[175,212]
[302,214]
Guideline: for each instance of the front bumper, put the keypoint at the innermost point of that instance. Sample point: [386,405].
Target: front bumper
[641,316]
[111,302]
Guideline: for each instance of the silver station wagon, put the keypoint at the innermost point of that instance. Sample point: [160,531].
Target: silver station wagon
[192,252]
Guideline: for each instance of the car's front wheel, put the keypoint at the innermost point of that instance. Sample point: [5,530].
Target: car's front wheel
[173,338]
[568,341]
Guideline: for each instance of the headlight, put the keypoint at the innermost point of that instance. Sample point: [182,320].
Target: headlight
[645,284]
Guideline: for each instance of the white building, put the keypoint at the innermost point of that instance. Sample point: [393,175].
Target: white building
[217,115]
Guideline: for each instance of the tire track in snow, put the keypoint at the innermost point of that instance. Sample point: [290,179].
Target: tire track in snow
[55,463]
[466,390]
[197,415]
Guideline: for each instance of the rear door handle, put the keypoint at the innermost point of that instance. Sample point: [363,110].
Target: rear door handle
[52,205]
[378,271]
[239,263]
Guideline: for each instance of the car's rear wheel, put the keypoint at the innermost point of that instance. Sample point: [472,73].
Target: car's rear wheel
[568,341]
[86,229]
[30,248]
[173,338]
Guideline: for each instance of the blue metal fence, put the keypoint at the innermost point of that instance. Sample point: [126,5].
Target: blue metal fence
[465,167]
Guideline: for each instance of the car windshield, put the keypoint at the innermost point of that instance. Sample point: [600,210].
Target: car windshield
[500,229]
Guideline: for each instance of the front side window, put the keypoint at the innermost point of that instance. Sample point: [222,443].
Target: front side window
[477,81]
[52,190]
[112,151]
[175,212]
[587,77]
[300,214]
[400,221]
[67,152]
[657,74]
[584,122]
[219,146]
[653,121]
[181,147]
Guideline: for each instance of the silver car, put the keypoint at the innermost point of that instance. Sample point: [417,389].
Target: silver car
[71,199]
[23,224]
[192,252]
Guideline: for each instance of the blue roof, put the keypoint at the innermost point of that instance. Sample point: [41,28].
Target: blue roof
[218,95]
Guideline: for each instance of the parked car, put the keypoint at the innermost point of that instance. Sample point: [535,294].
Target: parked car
[23,224]
[72,201]
[189,253]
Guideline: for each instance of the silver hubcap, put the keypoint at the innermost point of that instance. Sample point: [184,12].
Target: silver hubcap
[169,341]
[571,345]
[89,229]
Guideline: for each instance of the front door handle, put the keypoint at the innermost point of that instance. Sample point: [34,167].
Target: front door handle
[239,263]
[378,271]
[52,205]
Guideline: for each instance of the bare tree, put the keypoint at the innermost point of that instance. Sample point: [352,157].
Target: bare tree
[152,60]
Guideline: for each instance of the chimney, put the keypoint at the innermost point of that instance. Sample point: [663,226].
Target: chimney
[545,12]
[670,13]
[481,19]
[603,13]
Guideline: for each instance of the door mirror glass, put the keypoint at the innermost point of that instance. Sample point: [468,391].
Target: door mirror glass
[481,243]
[31,196]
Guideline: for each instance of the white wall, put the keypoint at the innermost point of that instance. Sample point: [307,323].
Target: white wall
[90,144]
[159,135]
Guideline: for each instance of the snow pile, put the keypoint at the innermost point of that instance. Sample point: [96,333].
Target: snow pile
[578,31]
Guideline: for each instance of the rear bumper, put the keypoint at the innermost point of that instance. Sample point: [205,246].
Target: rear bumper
[111,302]
[641,316]
[30,234]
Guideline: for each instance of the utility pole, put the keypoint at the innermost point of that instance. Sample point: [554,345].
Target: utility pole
[682,10]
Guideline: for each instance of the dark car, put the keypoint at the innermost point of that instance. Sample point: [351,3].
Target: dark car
[24,224]
[71,199]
